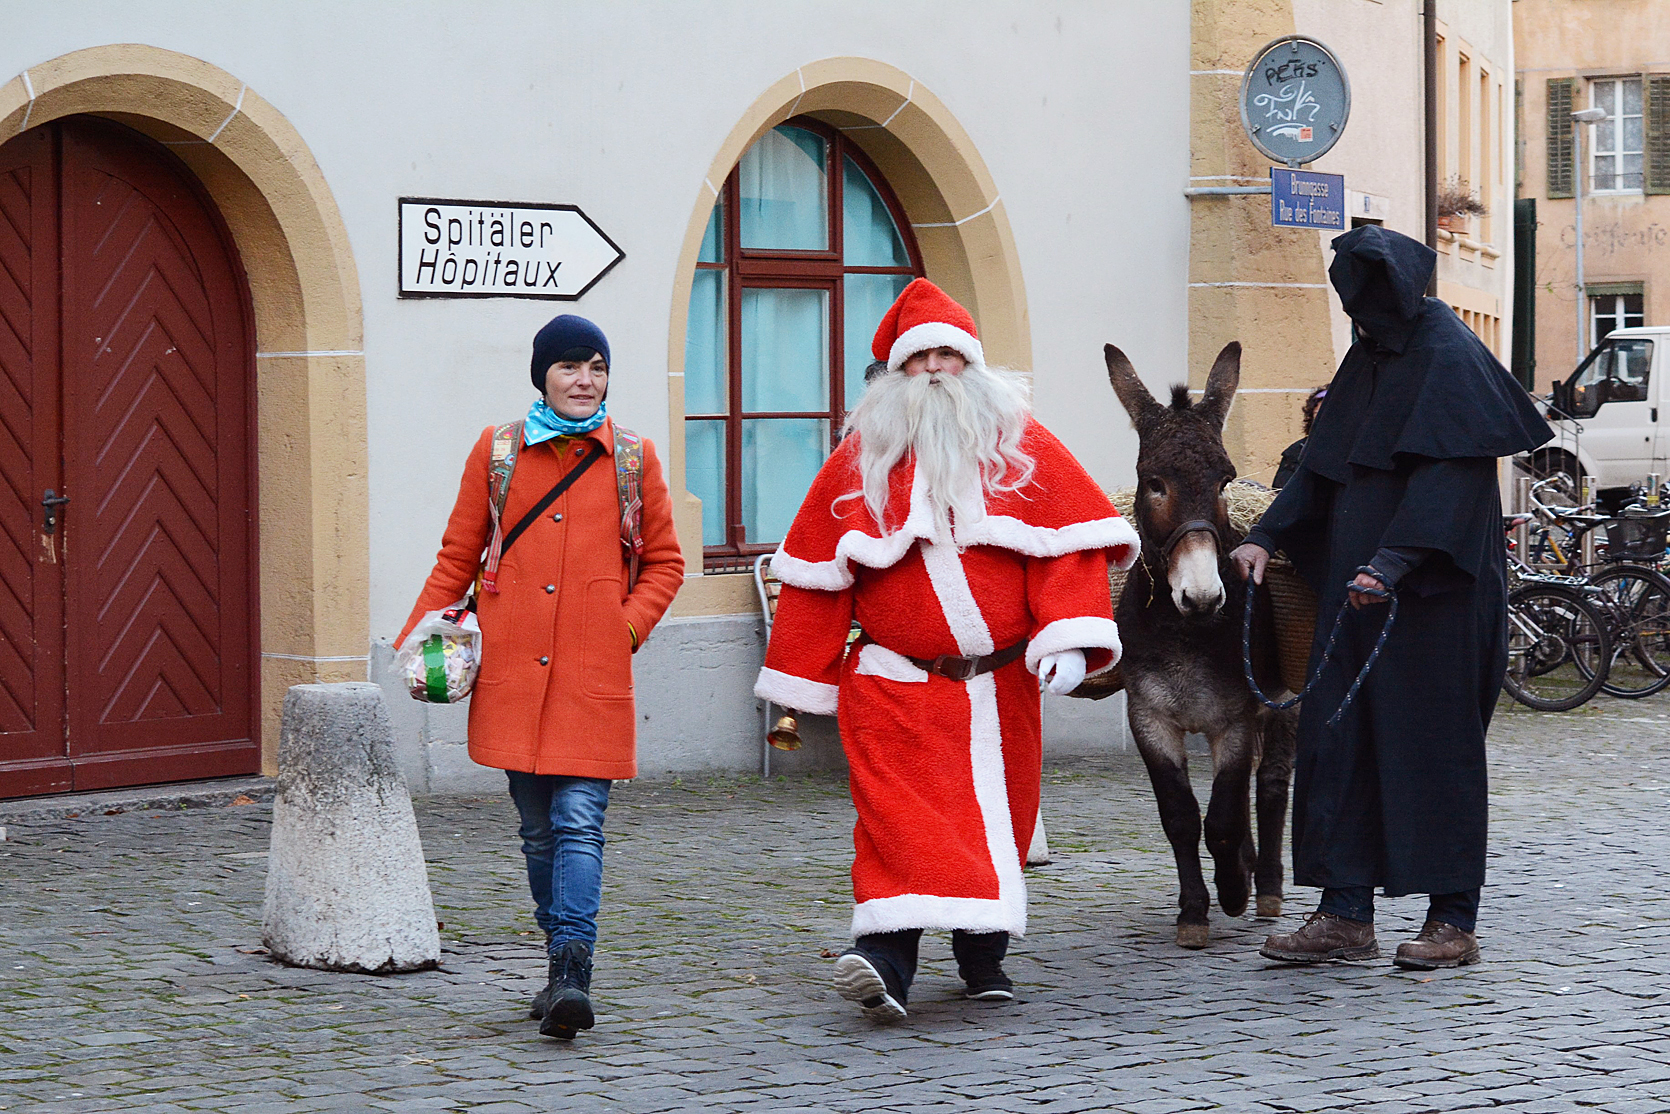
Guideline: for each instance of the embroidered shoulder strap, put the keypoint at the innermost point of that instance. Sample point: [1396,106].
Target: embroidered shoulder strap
[507,446]
[629,475]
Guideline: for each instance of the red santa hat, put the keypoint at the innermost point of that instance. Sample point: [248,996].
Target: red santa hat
[926,317]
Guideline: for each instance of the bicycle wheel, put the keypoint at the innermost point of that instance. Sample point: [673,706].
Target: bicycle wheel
[1559,648]
[1636,602]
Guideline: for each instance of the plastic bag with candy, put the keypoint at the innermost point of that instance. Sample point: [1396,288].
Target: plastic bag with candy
[440,658]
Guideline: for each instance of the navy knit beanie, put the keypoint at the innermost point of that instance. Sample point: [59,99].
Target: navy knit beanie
[567,336]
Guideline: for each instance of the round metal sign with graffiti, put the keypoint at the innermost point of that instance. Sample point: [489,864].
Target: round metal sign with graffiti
[1295,99]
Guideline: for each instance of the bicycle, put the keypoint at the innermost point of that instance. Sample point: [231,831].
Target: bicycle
[1628,587]
[1559,645]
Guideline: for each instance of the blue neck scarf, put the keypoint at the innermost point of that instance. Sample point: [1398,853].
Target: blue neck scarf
[544,423]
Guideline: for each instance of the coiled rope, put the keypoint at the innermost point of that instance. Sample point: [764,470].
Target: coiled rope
[1327,654]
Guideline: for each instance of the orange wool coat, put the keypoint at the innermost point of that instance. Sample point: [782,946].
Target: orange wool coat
[555,691]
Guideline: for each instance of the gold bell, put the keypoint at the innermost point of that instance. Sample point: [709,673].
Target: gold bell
[786,735]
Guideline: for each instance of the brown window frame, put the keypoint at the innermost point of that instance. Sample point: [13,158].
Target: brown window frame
[818,270]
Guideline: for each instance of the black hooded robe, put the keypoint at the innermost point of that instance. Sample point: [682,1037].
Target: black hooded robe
[1402,457]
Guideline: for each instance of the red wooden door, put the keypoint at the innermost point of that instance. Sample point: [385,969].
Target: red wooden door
[33,757]
[153,556]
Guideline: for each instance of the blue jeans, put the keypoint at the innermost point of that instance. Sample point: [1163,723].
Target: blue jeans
[562,838]
[1356,903]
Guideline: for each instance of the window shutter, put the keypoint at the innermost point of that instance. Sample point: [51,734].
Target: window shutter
[1657,161]
[1560,168]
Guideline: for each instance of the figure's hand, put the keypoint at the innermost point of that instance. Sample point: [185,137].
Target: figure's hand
[1250,559]
[1061,673]
[1360,600]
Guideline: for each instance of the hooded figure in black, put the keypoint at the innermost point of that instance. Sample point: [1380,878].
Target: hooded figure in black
[1397,492]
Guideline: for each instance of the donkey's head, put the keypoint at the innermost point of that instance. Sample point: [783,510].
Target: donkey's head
[1182,470]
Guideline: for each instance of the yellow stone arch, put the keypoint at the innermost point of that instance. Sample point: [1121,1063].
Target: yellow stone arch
[309,336]
[949,197]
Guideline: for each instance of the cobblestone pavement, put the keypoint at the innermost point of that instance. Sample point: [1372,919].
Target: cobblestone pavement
[131,974]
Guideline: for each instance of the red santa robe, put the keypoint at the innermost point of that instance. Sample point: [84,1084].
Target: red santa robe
[944,774]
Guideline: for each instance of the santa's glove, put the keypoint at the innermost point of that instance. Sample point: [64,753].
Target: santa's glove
[1061,673]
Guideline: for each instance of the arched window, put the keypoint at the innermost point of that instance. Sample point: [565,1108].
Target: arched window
[804,252]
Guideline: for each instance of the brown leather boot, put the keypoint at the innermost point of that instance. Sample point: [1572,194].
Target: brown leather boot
[1438,945]
[1323,938]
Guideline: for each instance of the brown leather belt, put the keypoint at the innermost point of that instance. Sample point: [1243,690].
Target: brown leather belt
[966,669]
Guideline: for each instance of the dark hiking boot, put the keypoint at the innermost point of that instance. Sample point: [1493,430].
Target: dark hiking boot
[568,1001]
[984,981]
[870,981]
[1323,938]
[542,998]
[1438,945]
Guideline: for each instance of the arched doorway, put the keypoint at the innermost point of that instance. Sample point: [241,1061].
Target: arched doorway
[127,629]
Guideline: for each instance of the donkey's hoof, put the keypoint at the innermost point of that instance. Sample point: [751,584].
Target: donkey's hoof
[1234,890]
[1269,905]
[1193,935]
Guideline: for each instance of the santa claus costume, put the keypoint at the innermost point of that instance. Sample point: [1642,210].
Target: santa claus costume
[963,599]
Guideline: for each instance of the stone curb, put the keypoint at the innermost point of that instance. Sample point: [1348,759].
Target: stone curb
[191,794]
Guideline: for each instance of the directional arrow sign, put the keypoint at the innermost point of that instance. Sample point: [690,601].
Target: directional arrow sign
[500,249]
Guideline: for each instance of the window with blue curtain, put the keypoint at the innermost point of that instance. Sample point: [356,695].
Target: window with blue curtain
[806,248]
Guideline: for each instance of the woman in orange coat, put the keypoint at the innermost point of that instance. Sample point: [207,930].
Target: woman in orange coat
[553,703]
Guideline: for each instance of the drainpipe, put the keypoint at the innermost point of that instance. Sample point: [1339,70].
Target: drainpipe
[1429,33]
[1582,116]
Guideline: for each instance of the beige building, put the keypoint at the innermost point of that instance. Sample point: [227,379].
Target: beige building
[1267,286]
[1613,55]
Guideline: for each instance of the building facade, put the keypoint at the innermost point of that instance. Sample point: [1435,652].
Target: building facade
[1614,57]
[262,437]
[1267,286]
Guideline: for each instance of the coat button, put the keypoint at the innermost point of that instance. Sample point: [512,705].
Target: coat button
[549,588]
[544,661]
[556,518]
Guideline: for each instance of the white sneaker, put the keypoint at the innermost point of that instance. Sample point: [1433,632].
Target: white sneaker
[858,979]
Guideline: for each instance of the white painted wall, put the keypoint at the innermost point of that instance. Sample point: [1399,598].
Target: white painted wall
[1079,109]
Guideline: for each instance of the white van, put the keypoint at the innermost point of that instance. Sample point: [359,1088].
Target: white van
[1606,415]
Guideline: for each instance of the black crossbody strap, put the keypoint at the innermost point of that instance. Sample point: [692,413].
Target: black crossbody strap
[550,497]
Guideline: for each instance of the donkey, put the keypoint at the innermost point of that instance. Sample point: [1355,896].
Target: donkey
[1180,620]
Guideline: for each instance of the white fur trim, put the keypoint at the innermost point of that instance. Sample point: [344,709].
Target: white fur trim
[788,691]
[1082,632]
[971,914]
[1041,541]
[956,599]
[879,661]
[1003,531]
[1039,853]
[934,334]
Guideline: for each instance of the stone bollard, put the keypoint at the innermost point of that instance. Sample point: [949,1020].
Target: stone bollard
[347,889]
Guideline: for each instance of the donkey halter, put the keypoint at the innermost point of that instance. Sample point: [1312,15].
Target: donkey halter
[1193,526]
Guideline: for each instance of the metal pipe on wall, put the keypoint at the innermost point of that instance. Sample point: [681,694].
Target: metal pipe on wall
[1429,34]
[1577,204]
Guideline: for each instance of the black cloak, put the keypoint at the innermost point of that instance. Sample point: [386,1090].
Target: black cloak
[1403,456]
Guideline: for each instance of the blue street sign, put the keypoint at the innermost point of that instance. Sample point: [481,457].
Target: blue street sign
[1306,199]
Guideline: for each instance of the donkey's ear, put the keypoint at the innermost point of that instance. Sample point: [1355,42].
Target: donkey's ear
[1225,377]
[1138,402]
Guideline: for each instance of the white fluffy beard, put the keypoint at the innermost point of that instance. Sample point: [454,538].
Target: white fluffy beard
[964,429]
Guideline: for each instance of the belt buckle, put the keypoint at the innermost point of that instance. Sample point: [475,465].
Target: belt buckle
[954,667]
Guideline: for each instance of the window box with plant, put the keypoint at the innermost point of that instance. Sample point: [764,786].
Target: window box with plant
[1457,205]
